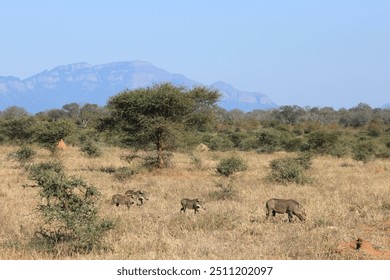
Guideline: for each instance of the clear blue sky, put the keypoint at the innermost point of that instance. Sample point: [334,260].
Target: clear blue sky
[314,52]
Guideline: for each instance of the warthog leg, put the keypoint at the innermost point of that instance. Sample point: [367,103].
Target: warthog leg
[290,216]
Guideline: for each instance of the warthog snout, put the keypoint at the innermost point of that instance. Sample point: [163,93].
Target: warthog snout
[119,199]
[191,204]
[282,206]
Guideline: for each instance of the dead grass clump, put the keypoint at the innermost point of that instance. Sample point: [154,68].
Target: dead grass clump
[386,205]
[323,223]
[225,192]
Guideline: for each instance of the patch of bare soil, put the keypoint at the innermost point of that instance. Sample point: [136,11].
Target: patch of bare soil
[360,246]
[363,249]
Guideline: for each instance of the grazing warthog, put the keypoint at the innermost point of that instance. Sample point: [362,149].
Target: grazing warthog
[191,204]
[119,199]
[139,196]
[282,206]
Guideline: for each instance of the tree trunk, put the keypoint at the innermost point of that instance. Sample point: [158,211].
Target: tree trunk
[160,154]
[160,158]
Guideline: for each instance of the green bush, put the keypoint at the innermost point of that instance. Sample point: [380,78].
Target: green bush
[269,140]
[236,137]
[71,224]
[49,133]
[249,143]
[220,142]
[91,149]
[290,170]
[276,139]
[304,160]
[342,147]
[293,144]
[227,167]
[364,151]
[375,128]
[19,130]
[23,154]
[231,165]
[244,140]
[322,142]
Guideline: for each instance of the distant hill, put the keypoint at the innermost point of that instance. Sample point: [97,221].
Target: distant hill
[386,106]
[244,100]
[85,83]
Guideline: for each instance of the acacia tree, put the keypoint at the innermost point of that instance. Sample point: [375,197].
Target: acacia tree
[160,114]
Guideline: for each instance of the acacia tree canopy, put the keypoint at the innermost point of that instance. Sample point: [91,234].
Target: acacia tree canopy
[159,114]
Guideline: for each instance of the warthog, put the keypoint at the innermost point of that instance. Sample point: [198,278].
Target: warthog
[282,206]
[139,196]
[191,204]
[119,199]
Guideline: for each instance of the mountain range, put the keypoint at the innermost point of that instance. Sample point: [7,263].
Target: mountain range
[84,83]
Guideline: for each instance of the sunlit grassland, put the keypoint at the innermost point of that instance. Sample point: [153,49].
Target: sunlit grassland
[346,200]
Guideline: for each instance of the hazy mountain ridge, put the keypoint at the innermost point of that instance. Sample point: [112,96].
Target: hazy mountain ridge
[85,83]
[248,100]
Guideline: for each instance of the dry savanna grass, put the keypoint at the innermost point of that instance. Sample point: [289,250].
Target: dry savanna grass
[347,200]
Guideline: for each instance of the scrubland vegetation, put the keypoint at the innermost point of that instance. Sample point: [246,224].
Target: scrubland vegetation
[56,203]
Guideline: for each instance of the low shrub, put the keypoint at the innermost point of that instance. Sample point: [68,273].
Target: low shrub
[323,142]
[231,165]
[23,154]
[290,170]
[220,143]
[71,224]
[91,149]
[227,192]
[269,140]
[364,151]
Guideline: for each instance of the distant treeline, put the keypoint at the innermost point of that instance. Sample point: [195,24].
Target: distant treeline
[361,132]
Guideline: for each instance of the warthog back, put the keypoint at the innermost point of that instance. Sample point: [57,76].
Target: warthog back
[282,206]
